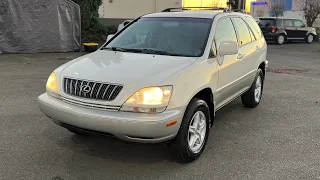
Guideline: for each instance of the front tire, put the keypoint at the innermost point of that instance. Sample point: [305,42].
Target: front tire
[310,38]
[192,137]
[252,97]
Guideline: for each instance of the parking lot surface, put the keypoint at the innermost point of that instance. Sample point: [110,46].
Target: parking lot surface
[280,139]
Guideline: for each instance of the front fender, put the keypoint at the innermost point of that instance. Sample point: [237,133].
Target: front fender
[312,31]
[191,80]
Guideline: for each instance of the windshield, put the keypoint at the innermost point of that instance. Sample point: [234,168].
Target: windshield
[165,36]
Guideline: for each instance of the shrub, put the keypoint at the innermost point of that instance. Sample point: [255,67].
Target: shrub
[91,29]
[111,30]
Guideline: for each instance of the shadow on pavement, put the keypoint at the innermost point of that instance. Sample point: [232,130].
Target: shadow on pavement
[118,150]
[128,152]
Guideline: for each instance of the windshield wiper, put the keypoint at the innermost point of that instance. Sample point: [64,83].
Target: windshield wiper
[145,51]
[123,49]
[159,52]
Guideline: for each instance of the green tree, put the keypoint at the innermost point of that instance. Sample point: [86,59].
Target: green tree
[311,10]
[91,29]
[277,9]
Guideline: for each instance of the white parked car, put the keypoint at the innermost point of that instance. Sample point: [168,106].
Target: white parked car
[123,24]
[162,78]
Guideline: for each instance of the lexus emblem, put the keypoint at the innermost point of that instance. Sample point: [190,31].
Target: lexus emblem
[85,89]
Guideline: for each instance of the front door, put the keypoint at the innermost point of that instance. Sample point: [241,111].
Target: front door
[301,31]
[229,72]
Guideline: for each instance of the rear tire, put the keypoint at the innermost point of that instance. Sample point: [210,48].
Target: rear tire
[252,97]
[310,38]
[280,39]
[192,137]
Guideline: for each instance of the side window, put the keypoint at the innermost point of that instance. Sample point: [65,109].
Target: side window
[225,32]
[298,23]
[213,51]
[280,23]
[288,23]
[243,31]
[252,36]
[255,27]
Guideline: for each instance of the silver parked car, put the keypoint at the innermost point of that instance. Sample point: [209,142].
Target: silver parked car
[161,78]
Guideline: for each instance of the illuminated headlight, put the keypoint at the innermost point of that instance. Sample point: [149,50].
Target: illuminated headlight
[52,86]
[149,99]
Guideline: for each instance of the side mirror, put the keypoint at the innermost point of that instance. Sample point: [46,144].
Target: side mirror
[228,48]
[109,37]
[303,26]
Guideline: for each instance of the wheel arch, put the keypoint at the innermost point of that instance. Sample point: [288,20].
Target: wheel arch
[282,32]
[263,67]
[206,94]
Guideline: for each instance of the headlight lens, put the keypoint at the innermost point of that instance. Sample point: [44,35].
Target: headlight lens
[52,83]
[149,99]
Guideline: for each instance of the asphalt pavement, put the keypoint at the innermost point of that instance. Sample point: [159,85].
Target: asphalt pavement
[280,139]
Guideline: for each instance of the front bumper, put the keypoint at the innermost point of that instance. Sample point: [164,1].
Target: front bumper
[128,126]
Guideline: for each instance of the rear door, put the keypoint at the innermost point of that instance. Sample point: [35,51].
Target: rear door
[301,30]
[290,29]
[229,71]
[248,52]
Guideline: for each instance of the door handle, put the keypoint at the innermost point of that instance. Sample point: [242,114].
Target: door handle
[240,56]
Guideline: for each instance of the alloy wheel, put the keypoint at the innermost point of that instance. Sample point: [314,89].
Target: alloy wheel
[197,132]
[258,89]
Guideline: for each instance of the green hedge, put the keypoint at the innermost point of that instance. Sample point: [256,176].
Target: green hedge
[111,30]
[91,29]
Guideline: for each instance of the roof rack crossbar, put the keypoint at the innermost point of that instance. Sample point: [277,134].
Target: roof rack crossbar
[204,8]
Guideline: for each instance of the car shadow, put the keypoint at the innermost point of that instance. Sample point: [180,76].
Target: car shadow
[128,152]
[288,42]
[118,150]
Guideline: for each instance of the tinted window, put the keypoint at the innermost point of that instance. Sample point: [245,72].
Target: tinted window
[225,32]
[280,22]
[254,26]
[251,35]
[243,31]
[288,22]
[267,22]
[175,36]
[298,23]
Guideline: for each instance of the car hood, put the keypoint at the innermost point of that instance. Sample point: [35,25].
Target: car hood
[134,70]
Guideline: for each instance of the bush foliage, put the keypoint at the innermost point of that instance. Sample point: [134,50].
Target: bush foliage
[91,29]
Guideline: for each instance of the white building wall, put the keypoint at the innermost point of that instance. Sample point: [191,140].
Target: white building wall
[130,9]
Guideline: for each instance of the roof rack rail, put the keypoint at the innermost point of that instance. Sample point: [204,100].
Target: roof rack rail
[239,10]
[189,8]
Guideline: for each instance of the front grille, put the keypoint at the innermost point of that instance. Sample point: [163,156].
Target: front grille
[91,89]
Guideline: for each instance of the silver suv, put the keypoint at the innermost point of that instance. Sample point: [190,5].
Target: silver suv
[161,78]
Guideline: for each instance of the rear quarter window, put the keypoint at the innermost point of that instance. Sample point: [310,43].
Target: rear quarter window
[254,27]
[280,22]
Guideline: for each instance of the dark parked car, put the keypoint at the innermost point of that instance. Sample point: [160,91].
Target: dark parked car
[281,30]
